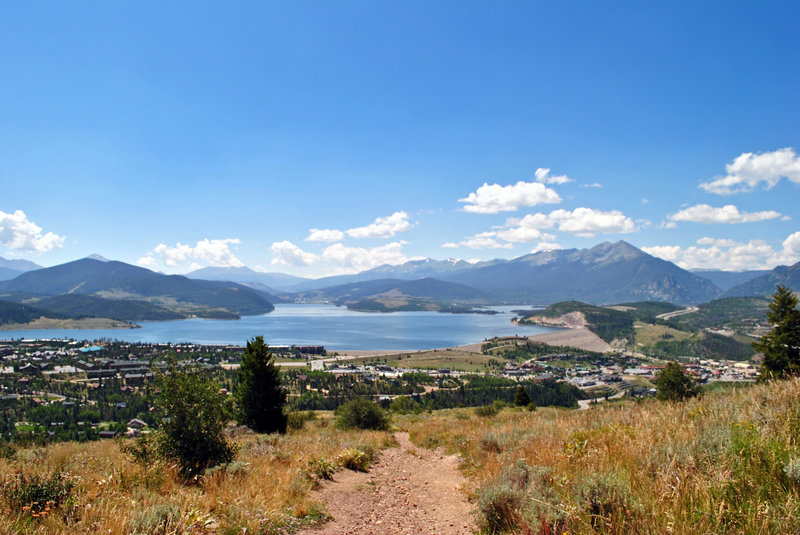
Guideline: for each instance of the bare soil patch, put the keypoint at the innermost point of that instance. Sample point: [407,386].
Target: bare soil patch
[409,490]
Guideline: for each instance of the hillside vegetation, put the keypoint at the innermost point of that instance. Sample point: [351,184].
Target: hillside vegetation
[11,313]
[607,323]
[726,463]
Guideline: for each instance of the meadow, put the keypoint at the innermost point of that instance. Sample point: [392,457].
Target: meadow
[728,462]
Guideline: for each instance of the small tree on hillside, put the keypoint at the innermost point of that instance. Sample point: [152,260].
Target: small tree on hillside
[259,393]
[781,345]
[193,420]
[674,384]
[522,399]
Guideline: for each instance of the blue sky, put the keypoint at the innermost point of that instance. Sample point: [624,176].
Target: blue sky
[328,137]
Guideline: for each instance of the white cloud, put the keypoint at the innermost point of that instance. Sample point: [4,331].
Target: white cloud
[791,245]
[543,176]
[703,213]
[383,227]
[545,246]
[720,242]
[325,235]
[729,254]
[17,233]
[587,222]
[206,252]
[593,185]
[523,234]
[491,199]
[147,261]
[581,221]
[749,170]
[288,254]
[484,240]
[356,259]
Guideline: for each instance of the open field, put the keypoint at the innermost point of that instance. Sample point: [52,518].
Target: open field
[438,358]
[648,334]
[578,337]
[52,323]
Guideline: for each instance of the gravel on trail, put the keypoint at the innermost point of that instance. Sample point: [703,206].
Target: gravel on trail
[408,490]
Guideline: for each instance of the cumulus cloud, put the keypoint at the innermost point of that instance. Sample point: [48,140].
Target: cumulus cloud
[20,234]
[383,227]
[543,176]
[325,235]
[484,240]
[581,222]
[206,252]
[491,199]
[715,253]
[585,222]
[588,222]
[288,254]
[523,234]
[356,259]
[703,213]
[749,170]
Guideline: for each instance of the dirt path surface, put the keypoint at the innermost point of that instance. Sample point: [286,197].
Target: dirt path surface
[409,490]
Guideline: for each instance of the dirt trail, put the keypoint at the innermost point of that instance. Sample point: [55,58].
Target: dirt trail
[409,490]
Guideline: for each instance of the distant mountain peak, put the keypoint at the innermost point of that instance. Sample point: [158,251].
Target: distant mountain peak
[97,257]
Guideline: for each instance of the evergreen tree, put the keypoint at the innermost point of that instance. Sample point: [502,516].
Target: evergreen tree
[674,384]
[781,345]
[260,394]
[522,399]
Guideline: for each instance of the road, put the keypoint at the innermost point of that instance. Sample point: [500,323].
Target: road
[586,403]
[670,315]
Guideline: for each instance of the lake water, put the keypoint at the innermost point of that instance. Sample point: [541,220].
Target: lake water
[337,328]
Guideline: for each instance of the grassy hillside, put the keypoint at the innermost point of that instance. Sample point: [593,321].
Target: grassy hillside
[727,463]
[267,489]
[728,312]
[82,306]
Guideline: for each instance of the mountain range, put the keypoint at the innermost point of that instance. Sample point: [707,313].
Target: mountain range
[134,292]
[10,269]
[604,274]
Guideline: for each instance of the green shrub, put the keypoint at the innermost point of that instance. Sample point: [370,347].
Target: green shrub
[320,469]
[193,422]
[143,450]
[296,420]
[487,411]
[361,413]
[355,459]
[37,495]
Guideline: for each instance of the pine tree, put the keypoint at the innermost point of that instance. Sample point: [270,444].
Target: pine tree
[781,345]
[259,393]
[522,399]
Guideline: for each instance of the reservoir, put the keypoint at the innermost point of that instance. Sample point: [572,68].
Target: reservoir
[337,328]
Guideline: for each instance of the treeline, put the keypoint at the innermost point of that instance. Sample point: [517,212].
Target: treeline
[17,313]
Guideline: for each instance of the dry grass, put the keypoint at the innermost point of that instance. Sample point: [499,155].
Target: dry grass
[454,359]
[723,464]
[265,490]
